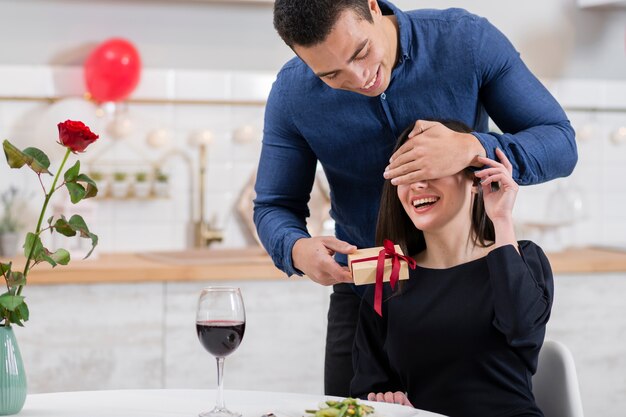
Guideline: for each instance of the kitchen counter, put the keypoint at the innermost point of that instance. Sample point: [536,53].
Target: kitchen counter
[190,265]
[588,260]
[249,264]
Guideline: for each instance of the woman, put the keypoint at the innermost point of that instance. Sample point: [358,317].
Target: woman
[461,337]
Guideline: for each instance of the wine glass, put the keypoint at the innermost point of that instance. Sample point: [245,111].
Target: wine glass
[220,323]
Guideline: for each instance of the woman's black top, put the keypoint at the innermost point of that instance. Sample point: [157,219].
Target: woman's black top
[462,341]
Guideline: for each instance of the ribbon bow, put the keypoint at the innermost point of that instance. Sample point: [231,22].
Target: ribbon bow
[388,251]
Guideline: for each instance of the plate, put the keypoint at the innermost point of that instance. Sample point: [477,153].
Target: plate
[289,409]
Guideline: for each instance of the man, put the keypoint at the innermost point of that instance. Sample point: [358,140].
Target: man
[364,71]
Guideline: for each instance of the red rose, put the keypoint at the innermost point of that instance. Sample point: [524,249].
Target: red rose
[75,135]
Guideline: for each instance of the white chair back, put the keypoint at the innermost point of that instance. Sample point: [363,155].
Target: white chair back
[555,385]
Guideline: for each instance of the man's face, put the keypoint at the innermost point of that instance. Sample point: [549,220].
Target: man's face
[357,55]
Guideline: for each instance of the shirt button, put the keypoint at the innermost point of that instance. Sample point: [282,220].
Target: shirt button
[383,96]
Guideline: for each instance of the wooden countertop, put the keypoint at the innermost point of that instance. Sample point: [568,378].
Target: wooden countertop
[248,264]
[588,260]
[190,265]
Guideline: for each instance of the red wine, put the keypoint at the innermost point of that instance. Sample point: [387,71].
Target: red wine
[221,337]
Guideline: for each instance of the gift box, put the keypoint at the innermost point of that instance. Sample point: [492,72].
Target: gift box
[363,263]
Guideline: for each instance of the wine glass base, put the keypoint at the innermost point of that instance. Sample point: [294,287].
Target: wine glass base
[219,412]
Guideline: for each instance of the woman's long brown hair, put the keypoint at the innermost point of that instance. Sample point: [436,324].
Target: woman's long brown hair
[394,223]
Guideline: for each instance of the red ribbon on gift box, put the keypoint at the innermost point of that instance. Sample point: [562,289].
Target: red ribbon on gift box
[388,251]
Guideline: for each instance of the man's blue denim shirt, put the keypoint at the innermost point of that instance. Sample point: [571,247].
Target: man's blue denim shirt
[452,65]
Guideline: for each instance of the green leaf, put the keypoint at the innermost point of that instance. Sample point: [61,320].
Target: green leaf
[78,224]
[71,174]
[40,253]
[23,311]
[33,242]
[15,157]
[75,224]
[45,256]
[63,227]
[40,163]
[16,278]
[33,157]
[94,243]
[15,319]
[5,268]
[61,256]
[92,187]
[77,191]
[20,314]
[11,302]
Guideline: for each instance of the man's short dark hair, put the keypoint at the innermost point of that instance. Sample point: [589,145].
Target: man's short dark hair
[309,22]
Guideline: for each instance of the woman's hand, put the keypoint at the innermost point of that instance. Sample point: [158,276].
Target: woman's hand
[499,200]
[390,397]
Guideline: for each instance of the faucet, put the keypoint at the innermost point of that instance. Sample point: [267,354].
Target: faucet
[205,232]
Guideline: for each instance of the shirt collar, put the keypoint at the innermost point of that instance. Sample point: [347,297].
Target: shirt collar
[404,29]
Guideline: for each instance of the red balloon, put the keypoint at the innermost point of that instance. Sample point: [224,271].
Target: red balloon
[112,70]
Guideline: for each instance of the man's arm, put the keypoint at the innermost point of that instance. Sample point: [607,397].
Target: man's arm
[538,139]
[283,187]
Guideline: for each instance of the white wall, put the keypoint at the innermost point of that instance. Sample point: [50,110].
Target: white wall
[556,38]
[171,34]
[588,205]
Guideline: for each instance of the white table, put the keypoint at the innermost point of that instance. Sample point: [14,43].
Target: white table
[188,403]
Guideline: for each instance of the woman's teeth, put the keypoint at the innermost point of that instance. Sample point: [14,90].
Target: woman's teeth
[424,201]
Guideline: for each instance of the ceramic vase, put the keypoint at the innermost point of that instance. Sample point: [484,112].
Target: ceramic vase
[12,375]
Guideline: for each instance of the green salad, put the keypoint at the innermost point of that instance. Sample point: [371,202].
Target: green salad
[349,407]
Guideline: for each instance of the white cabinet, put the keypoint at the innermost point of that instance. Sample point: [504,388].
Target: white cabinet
[117,336]
[283,345]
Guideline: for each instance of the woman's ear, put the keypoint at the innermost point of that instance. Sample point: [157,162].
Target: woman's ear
[475,185]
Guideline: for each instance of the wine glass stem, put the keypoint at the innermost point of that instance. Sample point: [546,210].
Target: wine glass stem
[220,383]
